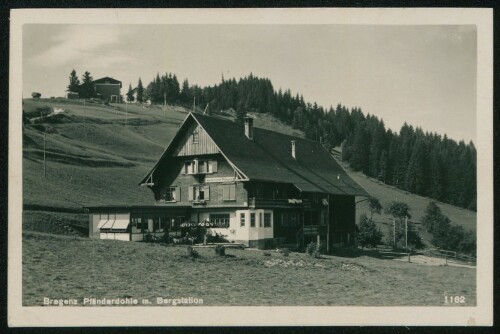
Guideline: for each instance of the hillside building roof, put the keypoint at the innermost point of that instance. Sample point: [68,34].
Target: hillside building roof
[107,80]
[268,157]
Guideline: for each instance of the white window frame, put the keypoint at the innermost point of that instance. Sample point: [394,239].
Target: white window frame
[268,223]
[243,219]
[218,219]
[253,221]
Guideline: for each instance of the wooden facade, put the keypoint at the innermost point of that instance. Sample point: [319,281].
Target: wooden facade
[213,175]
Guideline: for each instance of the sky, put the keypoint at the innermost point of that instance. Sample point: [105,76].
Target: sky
[424,75]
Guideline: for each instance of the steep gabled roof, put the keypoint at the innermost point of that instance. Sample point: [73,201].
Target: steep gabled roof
[111,80]
[268,157]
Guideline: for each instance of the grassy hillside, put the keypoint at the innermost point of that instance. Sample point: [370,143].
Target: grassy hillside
[243,277]
[97,155]
[386,194]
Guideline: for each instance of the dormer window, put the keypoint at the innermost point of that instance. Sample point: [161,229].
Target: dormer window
[195,136]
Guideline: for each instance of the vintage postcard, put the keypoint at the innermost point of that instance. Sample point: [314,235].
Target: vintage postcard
[176,167]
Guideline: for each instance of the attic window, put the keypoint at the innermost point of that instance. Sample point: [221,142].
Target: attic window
[200,167]
[195,136]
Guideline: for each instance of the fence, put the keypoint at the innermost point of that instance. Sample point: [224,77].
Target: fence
[451,256]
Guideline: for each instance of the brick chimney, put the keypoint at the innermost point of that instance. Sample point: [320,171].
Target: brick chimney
[249,127]
[293,149]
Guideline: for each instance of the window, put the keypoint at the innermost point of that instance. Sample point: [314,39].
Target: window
[195,136]
[267,219]
[229,192]
[242,219]
[200,167]
[293,219]
[199,193]
[252,219]
[219,220]
[157,225]
[212,166]
[261,220]
[189,167]
[140,223]
[171,194]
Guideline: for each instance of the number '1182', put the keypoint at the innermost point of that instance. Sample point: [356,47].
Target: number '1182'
[454,299]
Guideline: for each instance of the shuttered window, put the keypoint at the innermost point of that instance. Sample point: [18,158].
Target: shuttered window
[229,192]
[199,192]
[212,166]
[200,167]
[171,194]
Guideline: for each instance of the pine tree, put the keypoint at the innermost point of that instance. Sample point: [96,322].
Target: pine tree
[417,172]
[130,94]
[74,83]
[140,91]
[185,98]
[87,88]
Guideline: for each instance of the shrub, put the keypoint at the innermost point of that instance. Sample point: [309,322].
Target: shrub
[36,95]
[286,251]
[220,250]
[446,235]
[369,234]
[266,254]
[191,252]
[414,239]
[216,237]
[313,249]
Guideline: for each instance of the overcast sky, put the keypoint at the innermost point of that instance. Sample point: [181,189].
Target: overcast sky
[424,75]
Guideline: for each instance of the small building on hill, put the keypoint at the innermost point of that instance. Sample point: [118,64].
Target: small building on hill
[108,89]
[254,186]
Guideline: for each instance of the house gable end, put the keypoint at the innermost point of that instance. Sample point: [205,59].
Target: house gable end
[182,145]
[195,141]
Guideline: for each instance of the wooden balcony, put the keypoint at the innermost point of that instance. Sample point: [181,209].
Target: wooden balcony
[286,203]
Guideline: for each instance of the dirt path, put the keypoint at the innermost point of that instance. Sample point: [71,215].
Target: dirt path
[432,261]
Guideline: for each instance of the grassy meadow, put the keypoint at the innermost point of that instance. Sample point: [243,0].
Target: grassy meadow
[117,269]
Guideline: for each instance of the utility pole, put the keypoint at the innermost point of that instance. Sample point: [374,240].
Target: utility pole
[126,114]
[44,158]
[85,118]
[165,99]
[328,226]
[394,230]
[194,103]
[406,237]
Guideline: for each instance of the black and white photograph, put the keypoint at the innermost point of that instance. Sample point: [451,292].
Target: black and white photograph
[244,167]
